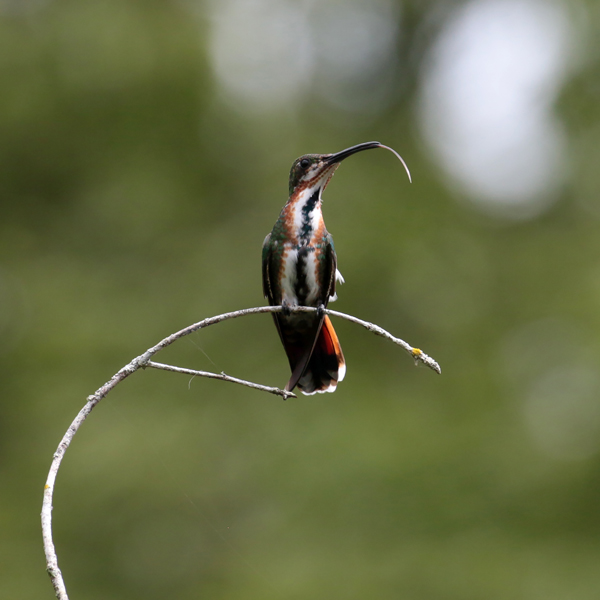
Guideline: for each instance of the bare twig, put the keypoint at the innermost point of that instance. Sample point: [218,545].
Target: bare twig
[144,361]
[223,377]
[417,354]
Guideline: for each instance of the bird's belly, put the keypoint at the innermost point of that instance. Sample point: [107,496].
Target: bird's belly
[289,276]
[310,274]
[300,285]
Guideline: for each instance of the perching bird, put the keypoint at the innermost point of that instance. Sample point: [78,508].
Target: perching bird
[299,268]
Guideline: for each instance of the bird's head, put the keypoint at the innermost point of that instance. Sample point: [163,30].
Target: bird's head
[313,171]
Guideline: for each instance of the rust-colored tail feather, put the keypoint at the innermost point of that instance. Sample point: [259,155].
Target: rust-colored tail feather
[325,365]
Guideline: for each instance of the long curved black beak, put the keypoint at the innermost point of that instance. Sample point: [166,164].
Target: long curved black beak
[338,157]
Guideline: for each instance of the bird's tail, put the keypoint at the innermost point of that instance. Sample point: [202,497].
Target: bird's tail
[325,367]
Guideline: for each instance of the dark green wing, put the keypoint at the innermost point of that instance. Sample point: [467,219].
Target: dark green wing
[329,267]
[266,259]
[267,252]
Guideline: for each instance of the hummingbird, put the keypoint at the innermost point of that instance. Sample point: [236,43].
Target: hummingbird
[299,268]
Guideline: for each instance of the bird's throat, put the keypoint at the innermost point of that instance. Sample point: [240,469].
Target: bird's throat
[304,216]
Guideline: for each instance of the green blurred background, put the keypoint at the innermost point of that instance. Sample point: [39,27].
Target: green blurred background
[144,155]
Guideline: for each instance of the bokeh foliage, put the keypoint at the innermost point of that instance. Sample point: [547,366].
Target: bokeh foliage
[135,201]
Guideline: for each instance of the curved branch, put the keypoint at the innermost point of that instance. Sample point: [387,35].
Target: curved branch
[144,361]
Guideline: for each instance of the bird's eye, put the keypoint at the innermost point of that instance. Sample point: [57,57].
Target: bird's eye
[305,163]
